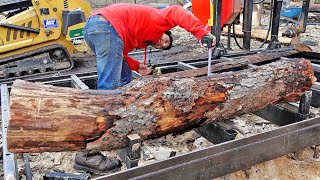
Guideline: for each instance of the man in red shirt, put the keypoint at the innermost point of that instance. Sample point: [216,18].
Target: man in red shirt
[114,31]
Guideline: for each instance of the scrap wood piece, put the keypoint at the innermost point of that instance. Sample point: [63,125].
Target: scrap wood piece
[48,118]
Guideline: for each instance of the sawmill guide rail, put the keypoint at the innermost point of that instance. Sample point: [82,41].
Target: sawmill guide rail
[231,156]
[228,155]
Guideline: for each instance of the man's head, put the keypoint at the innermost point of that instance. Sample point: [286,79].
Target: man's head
[165,42]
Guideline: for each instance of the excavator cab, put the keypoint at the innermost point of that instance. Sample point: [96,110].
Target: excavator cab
[38,36]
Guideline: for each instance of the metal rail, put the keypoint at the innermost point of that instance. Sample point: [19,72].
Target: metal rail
[231,156]
[9,159]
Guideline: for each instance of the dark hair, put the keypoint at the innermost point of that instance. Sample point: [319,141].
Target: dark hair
[171,40]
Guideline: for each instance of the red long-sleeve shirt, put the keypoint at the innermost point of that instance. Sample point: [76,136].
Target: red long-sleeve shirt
[141,25]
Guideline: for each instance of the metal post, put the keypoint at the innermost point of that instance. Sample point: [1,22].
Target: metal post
[274,42]
[316,152]
[229,37]
[304,111]
[247,24]
[9,159]
[304,105]
[304,16]
[216,29]
[27,168]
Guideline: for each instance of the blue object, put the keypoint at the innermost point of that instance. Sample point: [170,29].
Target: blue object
[163,6]
[50,23]
[291,12]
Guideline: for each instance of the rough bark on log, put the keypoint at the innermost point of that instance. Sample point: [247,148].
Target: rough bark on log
[48,118]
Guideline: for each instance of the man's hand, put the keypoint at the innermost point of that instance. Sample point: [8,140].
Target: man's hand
[144,70]
[207,39]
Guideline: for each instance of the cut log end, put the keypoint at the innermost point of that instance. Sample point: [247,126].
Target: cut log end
[310,79]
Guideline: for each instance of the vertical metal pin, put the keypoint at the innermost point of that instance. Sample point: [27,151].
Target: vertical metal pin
[209,61]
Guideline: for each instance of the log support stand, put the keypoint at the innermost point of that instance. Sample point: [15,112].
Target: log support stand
[217,132]
[304,105]
[287,113]
[131,155]
[146,154]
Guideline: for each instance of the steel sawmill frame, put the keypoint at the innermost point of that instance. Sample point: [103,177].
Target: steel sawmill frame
[298,129]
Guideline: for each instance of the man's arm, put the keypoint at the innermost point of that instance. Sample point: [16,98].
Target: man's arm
[133,64]
[137,66]
[177,16]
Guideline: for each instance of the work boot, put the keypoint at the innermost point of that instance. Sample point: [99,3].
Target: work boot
[95,161]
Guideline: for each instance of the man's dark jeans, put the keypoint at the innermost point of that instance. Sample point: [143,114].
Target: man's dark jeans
[104,41]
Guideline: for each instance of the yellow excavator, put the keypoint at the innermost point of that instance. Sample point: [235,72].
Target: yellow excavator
[38,36]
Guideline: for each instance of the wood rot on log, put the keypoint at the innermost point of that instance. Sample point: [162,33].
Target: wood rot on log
[48,118]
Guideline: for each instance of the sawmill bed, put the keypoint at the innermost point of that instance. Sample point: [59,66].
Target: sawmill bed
[298,129]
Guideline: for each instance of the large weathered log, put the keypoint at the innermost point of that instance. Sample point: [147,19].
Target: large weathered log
[48,118]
